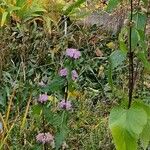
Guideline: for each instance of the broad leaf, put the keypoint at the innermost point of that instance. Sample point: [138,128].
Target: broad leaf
[117,58]
[126,126]
[145,135]
[55,85]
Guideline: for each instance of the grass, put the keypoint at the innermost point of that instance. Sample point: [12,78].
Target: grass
[37,56]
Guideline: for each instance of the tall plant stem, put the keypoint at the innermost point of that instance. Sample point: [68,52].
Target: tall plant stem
[130,54]
[43,123]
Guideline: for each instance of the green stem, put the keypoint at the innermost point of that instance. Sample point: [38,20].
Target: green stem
[43,123]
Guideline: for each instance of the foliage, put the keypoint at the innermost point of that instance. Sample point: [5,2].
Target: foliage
[128,126]
[31,58]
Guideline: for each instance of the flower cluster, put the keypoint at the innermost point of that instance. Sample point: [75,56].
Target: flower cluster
[44,138]
[64,72]
[73,53]
[43,98]
[65,105]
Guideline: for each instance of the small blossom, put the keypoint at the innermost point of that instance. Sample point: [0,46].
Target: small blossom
[70,52]
[74,75]
[44,138]
[65,105]
[77,54]
[73,53]
[43,98]
[63,72]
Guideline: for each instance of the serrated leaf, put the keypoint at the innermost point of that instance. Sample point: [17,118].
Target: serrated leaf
[55,85]
[126,126]
[53,119]
[60,138]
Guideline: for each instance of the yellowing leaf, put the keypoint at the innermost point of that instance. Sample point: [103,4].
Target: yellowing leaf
[111,45]
[52,98]
[74,94]
[4,16]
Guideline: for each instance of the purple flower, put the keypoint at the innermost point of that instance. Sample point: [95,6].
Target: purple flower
[65,105]
[63,72]
[43,98]
[44,138]
[73,53]
[70,52]
[74,75]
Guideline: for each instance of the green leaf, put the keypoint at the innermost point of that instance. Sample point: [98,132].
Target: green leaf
[3,20]
[117,58]
[13,8]
[142,56]
[126,126]
[140,20]
[123,46]
[112,5]
[36,110]
[145,135]
[55,85]
[62,130]
[60,138]
[53,119]
[74,6]
[135,38]
[145,2]
[122,40]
